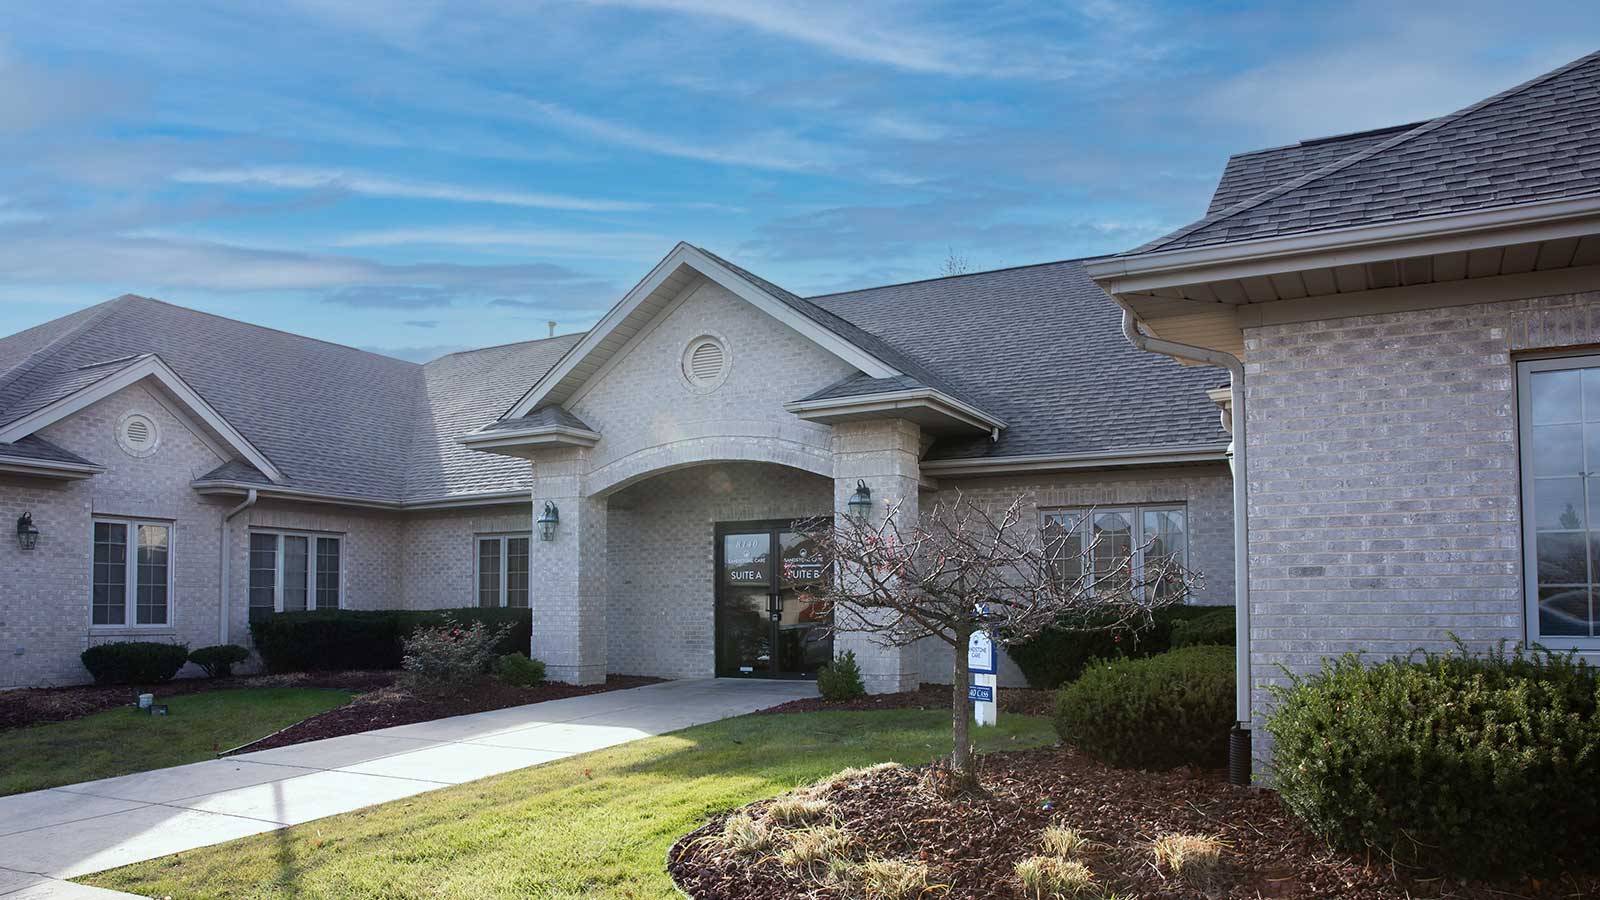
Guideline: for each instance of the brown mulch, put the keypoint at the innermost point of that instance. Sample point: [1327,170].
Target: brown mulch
[39,706]
[386,708]
[1017,701]
[972,844]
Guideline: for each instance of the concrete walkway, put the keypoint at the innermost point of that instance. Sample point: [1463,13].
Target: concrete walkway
[46,836]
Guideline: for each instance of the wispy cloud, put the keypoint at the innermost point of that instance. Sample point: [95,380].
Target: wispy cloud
[301,179]
[418,353]
[421,323]
[611,245]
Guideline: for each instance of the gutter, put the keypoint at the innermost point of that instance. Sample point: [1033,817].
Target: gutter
[1239,740]
[998,465]
[481,498]
[223,625]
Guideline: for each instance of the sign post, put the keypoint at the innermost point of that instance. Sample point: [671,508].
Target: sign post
[982,690]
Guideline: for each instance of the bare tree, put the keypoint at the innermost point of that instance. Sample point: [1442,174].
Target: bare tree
[962,568]
[954,263]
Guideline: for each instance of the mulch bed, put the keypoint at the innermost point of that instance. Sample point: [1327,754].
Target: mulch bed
[39,706]
[971,845]
[386,708]
[1017,701]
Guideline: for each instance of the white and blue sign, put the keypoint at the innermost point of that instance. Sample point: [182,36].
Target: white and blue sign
[980,692]
[980,654]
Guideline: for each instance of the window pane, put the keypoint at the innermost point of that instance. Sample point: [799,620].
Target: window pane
[1557,449]
[1166,540]
[1555,397]
[489,572]
[296,573]
[328,572]
[1063,542]
[151,607]
[517,572]
[1558,504]
[1113,546]
[1564,611]
[747,559]
[263,573]
[1562,558]
[108,604]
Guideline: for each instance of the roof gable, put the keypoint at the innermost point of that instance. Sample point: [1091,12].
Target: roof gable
[1537,141]
[1248,174]
[669,280]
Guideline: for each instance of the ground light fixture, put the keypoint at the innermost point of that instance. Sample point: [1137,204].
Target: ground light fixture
[27,533]
[861,501]
[548,520]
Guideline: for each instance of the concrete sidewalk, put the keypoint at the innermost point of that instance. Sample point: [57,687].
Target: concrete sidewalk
[68,831]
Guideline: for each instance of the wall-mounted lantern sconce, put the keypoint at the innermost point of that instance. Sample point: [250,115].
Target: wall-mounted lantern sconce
[548,520]
[860,504]
[27,534]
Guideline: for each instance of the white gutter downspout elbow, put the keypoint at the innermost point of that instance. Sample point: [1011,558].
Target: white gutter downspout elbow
[223,625]
[1241,533]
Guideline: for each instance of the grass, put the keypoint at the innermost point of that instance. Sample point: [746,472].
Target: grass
[593,826]
[120,741]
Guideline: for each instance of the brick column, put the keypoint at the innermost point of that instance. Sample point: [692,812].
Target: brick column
[885,454]
[568,575]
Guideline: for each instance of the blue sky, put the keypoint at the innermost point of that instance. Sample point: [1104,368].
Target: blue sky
[421,177]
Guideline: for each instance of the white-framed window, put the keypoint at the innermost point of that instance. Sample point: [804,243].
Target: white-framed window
[502,570]
[1119,536]
[294,570]
[131,581]
[1558,425]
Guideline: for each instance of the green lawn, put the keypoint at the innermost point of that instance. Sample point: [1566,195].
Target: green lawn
[119,741]
[592,826]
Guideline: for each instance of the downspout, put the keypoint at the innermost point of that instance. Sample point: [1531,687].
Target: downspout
[223,625]
[1239,741]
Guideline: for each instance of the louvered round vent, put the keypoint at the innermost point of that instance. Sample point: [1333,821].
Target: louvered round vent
[705,363]
[137,434]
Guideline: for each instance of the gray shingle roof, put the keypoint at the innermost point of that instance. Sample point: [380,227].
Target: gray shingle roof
[1537,141]
[35,447]
[1248,174]
[544,417]
[1042,348]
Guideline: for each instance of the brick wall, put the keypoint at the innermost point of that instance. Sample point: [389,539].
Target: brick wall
[1384,478]
[44,594]
[440,552]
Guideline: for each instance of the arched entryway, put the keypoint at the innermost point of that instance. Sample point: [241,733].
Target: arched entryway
[697,584]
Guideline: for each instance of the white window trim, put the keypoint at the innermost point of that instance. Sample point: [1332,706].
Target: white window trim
[1135,512]
[505,565]
[130,585]
[311,566]
[1530,539]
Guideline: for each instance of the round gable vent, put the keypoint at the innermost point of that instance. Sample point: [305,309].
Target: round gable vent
[137,434]
[705,363]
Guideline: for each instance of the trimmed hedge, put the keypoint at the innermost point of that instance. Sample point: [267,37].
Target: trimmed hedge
[1162,711]
[841,679]
[1214,627]
[218,661]
[519,670]
[334,639]
[1056,656]
[1482,766]
[134,662]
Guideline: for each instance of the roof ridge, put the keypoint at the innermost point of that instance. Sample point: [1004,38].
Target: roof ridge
[895,284]
[1328,139]
[1345,162]
[554,337]
[34,359]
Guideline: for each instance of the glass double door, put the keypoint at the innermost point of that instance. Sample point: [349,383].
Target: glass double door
[765,625]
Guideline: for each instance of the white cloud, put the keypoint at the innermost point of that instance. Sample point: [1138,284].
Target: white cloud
[609,245]
[291,178]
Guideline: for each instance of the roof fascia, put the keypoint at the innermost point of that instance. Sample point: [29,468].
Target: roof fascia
[1449,233]
[154,368]
[1153,456]
[44,468]
[829,408]
[480,498]
[564,435]
[686,255]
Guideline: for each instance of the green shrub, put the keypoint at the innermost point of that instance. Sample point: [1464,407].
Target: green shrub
[517,669]
[334,639]
[218,661]
[1057,655]
[134,662]
[1168,710]
[446,660]
[841,680]
[1215,626]
[1471,765]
